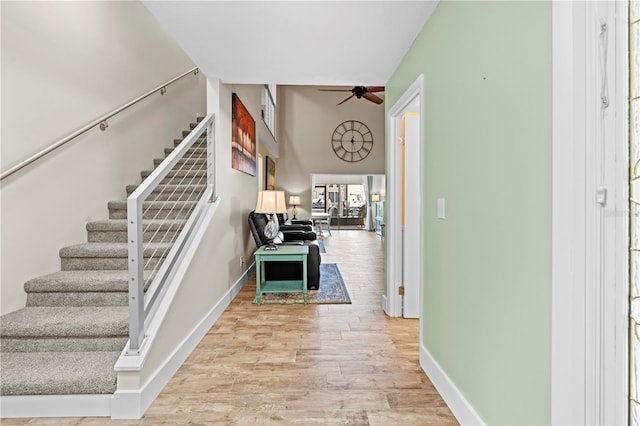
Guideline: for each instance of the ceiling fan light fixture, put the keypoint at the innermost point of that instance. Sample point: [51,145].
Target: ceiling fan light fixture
[360,92]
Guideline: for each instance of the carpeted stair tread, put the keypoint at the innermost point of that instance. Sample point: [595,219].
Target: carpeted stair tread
[66,321]
[192,162]
[185,133]
[202,141]
[187,187]
[81,281]
[118,225]
[57,373]
[199,173]
[109,250]
[194,150]
[153,205]
[170,209]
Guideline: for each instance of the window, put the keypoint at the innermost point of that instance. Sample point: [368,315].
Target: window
[269,107]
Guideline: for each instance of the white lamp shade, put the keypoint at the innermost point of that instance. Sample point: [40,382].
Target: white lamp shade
[294,200]
[375,197]
[271,202]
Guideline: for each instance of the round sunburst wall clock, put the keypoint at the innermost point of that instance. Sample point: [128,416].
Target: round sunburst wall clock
[352,141]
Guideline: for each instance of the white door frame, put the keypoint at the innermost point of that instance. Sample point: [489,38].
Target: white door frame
[392,301]
[588,336]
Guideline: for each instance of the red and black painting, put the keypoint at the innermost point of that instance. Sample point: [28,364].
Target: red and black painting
[243,138]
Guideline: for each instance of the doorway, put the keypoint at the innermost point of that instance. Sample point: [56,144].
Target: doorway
[353,202]
[403,296]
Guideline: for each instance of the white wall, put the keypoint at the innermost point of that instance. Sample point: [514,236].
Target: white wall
[307,119]
[65,64]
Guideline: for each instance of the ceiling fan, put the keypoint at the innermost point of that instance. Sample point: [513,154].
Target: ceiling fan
[360,92]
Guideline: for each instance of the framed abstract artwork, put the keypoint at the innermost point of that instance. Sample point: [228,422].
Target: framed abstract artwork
[243,138]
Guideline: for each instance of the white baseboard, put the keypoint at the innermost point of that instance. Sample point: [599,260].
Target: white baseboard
[133,404]
[55,406]
[385,304]
[459,406]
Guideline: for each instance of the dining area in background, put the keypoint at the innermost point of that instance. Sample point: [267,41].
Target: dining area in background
[347,202]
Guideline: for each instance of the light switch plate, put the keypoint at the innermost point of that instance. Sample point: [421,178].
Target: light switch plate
[440,203]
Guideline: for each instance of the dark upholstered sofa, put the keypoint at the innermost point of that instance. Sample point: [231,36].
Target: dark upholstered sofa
[290,233]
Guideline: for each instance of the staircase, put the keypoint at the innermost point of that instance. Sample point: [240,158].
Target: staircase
[75,324]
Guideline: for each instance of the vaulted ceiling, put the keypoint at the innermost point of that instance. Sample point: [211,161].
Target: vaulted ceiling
[295,42]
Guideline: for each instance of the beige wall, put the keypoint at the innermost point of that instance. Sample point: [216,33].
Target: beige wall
[65,64]
[307,119]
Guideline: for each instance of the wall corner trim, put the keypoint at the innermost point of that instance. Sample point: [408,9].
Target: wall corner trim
[459,406]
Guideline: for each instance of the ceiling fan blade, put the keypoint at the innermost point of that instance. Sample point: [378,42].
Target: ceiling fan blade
[373,98]
[334,90]
[373,89]
[348,99]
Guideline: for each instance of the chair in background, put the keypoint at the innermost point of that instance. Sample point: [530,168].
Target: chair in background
[326,224]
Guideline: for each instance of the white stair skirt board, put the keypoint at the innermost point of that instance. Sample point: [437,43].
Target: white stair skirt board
[133,404]
[12,406]
[459,406]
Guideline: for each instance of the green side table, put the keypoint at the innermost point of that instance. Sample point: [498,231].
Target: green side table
[283,254]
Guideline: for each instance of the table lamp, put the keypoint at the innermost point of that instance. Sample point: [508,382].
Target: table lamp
[294,201]
[270,203]
[375,197]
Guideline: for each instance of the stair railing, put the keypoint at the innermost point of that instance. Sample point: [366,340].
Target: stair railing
[143,297]
[101,122]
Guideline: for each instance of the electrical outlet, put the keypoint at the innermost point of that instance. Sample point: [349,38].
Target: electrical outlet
[241,260]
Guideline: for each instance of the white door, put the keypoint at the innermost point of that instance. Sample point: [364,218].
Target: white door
[410,220]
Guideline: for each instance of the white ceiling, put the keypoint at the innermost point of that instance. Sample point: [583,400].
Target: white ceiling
[295,42]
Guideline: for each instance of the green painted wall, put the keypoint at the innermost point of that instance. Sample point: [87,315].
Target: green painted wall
[487,145]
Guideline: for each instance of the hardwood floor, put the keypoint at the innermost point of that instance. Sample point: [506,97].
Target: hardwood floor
[296,364]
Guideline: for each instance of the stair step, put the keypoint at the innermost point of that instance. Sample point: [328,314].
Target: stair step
[84,298]
[81,288]
[172,192]
[154,209]
[194,151]
[201,142]
[81,281]
[108,256]
[178,177]
[65,329]
[185,133]
[197,173]
[115,230]
[58,373]
[63,344]
[91,321]
[197,162]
